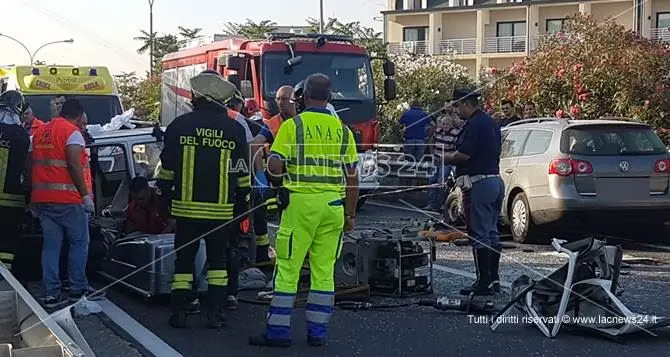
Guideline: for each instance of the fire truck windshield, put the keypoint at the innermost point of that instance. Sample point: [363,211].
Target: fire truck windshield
[350,75]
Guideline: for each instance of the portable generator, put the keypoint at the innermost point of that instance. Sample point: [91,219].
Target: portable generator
[392,262]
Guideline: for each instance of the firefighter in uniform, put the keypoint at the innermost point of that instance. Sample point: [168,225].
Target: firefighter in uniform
[14,144]
[314,148]
[205,160]
[261,148]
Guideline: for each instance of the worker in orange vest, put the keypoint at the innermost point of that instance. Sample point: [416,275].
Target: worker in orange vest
[261,142]
[62,199]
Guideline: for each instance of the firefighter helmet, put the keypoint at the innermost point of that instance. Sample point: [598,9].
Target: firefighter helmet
[13,101]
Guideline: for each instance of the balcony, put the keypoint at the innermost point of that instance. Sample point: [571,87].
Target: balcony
[661,34]
[411,47]
[456,46]
[504,44]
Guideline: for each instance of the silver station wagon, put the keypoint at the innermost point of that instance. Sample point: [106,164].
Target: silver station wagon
[582,175]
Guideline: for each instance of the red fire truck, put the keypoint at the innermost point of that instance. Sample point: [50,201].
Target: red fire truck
[259,68]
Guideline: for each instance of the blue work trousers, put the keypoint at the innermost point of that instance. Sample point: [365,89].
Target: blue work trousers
[482,205]
[59,221]
[416,148]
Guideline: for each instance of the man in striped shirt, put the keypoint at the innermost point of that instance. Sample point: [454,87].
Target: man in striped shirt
[446,133]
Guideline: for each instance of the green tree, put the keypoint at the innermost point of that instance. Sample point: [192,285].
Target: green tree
[141,94]
[146,39]
[329,26]
[593,69]
[430,81]
[164,44]
[188,33]
[250,29]
[126,84]
[364,36]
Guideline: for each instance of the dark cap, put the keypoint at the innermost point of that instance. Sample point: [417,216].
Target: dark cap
[461,94]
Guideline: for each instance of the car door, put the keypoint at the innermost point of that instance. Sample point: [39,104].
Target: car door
[512,146]
[531,167]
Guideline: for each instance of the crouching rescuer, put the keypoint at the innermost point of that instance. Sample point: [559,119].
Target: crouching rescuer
[205,161]
[310,151]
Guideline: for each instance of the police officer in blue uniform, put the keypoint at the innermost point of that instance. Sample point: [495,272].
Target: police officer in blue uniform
[477,161]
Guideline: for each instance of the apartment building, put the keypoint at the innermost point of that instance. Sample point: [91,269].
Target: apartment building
[497,33]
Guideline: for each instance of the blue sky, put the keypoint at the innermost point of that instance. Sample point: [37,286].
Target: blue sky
[103,33]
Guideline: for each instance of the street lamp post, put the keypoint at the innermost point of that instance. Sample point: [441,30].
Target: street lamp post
[152,38]
[321,24]
[32,54]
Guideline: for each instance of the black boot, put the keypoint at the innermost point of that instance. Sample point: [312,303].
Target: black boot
[216,296]
[482,264]
[494,256]
[179,305]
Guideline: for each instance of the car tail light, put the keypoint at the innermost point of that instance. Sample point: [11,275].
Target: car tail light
[567,167]
[662,166]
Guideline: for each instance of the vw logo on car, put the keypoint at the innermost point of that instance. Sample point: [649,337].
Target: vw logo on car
[624,166]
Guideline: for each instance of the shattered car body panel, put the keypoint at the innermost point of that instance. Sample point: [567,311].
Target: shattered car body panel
[581,294]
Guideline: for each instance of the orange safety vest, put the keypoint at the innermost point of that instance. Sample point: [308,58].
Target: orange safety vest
[233,114]
[273,125]
[51,181]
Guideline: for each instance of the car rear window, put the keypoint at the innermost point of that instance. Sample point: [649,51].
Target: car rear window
[608,140]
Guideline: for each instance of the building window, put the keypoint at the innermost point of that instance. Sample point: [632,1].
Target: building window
[460,3]
[511,29]
[415,40]
[511,36]
[555,25]
[415,34]
[411,4]
[663,20]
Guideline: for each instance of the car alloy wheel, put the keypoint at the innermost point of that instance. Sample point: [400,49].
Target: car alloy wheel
[519,218]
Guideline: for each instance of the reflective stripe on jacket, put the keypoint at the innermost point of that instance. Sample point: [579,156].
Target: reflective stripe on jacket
[51,180]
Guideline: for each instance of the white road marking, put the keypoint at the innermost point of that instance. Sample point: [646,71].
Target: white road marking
[464,273]
[141,334]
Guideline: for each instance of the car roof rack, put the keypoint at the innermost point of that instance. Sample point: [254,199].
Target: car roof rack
[533,120]
[283,36]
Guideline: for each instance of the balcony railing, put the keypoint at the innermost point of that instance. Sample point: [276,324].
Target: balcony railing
[661,34]
[458,46]
[411,47]
[504,44]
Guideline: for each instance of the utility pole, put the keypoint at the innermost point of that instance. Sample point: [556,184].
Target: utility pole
[152,38]
[321,24]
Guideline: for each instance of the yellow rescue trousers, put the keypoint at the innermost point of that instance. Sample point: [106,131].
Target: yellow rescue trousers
[311,223]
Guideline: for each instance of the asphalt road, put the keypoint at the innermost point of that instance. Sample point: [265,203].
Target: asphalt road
[413,331]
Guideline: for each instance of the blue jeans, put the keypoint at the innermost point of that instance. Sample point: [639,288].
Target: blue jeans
[482,206]
[439,195]
[59,221]
[415,148]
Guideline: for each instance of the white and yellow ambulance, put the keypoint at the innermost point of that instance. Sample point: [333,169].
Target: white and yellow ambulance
[93,86]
